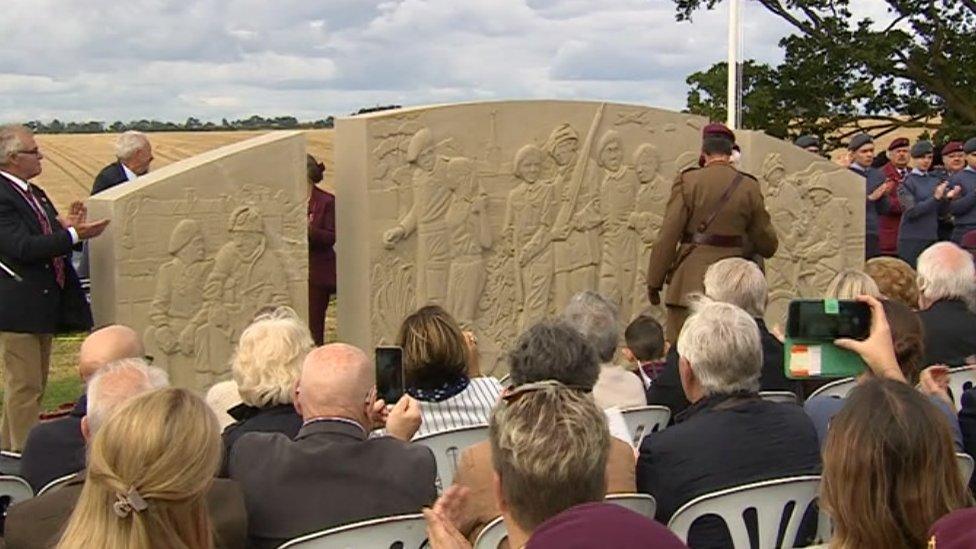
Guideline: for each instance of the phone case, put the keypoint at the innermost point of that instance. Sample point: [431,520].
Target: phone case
[805,359]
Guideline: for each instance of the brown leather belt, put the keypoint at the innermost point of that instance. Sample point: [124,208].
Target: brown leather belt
[716,240]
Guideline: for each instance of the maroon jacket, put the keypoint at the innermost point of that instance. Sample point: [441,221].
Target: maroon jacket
[321,239]
[890,216]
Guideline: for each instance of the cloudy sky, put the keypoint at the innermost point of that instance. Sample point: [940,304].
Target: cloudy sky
[170,59]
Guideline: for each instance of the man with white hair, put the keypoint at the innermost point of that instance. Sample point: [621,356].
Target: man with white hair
[729,436]
[57,448]
[37,523]
[332,472]
[40,294]
[133,154]
[946,301]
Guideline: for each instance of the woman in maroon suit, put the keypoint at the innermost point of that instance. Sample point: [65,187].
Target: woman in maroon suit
[321,256]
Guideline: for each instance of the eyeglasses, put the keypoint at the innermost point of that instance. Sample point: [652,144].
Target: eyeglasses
[32,152]
[546,385]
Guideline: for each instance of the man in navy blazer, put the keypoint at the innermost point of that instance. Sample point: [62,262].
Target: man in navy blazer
[40,294]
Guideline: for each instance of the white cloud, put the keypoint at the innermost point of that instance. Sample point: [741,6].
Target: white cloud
[169,59]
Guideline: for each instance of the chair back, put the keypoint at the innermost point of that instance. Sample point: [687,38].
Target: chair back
[838,388]
[447,447]
[772,500]
[12,490]
[400,532]
[961,379]
[56,483]
[966,466]
[642,504]
[782,397]
[492,535]
[642,420]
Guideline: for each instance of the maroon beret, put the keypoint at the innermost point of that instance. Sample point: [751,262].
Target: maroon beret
[952,147]
[899,143]
[716,129]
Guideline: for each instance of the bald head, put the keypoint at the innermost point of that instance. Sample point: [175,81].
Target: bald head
[106,345]
[336,379]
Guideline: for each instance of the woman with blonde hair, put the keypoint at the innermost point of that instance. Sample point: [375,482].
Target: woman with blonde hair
[266,365]
[889,469]
[850,283]
[896,279]
[440,370]
[150,467]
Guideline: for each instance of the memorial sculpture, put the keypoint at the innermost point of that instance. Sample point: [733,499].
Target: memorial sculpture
[200,247]
[502,211]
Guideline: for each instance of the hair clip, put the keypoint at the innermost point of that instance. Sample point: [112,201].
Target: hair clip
[126,503]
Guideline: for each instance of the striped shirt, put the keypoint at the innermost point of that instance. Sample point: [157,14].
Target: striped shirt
[470,407]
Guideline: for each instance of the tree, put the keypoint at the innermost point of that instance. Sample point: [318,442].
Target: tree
[917,65]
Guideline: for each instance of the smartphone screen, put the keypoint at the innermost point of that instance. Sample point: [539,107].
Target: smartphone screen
[389,374]
[827,320]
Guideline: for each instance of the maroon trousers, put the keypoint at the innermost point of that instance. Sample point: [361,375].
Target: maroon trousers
[318,304]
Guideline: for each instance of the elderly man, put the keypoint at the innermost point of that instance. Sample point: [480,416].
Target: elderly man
[57,448]
[40,294]
[889,218]
[595,317]
[547,351]
[37,523]
[946,300]
[134,155]
[332,473]
[729,436]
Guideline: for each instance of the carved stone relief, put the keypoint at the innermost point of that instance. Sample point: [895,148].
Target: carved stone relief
[501,212]
[199,247]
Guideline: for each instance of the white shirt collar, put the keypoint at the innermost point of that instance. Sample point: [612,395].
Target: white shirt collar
[129,174]
[917,171]
[970,168]
[20,182]
[858,167]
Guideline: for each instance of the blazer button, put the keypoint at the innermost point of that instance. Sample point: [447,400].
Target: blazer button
[46,266]
[46,292]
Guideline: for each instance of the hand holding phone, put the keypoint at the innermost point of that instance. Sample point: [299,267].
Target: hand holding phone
[878,350]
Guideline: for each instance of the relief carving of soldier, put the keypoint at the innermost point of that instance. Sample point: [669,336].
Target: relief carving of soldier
[647,218]
[468,224]
[618,194]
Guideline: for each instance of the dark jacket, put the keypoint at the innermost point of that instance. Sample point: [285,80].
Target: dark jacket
[37,304]
[890,217]
[329,475]
[274,419]
[722,442]
[873,178]
[950,333]
[964,207]
[37,523]
[321,239]
[666,390]
[55,448]
[967,424]
[920,219]
[110,176]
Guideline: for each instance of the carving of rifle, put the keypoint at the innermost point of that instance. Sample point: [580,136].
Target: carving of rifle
[579,171]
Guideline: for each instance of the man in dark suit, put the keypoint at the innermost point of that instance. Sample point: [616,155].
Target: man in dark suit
[134,155]
[332,473]
[714,212]
[947,289]
[729,436]
[321,255]
[39,291]
[57,448]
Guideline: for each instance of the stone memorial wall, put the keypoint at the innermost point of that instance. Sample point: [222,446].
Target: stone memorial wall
[196,248]
[500,212]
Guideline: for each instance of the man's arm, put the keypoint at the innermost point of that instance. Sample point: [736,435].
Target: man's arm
[322,235]
[666,247]
[762,234]
[967,201]
[18,243]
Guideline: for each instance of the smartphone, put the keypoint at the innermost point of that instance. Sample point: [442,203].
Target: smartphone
[389,374]
[828,319]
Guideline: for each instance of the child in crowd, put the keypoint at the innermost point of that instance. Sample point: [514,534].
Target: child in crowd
[645,348]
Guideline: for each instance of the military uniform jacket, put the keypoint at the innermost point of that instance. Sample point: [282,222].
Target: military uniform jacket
[695,195]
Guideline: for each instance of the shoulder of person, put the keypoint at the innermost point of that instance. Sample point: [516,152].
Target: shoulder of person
[255,441]
[747,176]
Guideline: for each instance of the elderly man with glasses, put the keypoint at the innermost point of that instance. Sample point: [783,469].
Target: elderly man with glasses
[39,290]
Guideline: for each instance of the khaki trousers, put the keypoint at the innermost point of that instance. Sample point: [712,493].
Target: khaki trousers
[26,359]
[675,320]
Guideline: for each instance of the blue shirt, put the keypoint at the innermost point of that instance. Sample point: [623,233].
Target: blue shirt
[873,179]
[920,209]
[964,207]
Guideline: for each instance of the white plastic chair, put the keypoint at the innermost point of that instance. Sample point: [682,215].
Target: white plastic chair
[966,466]
[56,483]
[643,504]
[770,499]
[408,530]
[642,420]
[447,447]
[838,388]
[12,490]
[492,535]
[961,379]
[782,397]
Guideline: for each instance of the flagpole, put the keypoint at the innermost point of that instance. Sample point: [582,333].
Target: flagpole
[732,120]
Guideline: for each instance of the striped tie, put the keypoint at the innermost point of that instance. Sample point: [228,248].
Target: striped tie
[35,204]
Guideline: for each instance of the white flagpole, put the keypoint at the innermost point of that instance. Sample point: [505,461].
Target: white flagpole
[733,64]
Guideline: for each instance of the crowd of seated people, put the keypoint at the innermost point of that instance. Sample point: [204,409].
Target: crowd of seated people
[306,445]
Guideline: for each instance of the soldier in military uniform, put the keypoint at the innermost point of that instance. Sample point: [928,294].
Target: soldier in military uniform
[714,212]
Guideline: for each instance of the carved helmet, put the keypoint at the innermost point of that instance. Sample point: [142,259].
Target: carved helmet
[185,231]
[421,141]
[245,219]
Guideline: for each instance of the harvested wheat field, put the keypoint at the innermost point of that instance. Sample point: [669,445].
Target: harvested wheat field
[71,161]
